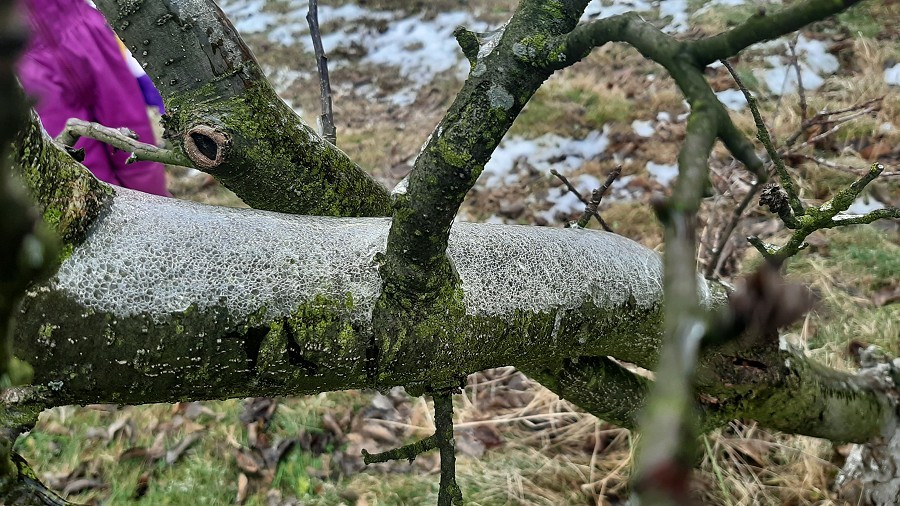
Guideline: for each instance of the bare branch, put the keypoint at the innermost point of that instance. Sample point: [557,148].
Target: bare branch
[666,459]
[326,120]
[587,204]
[795,63]
[764,26]
[596,197]
[713,266]
[124,140]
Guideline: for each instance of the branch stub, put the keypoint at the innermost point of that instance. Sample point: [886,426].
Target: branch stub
[206,146]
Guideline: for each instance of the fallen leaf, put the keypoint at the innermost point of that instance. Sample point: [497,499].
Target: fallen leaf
[175,453]
[886,296]
[242,488]
[247,462]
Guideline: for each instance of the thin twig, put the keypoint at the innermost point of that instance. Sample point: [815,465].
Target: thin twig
[795,62]
[449,493]
[584,201]
[596,196]
[843,168]
[124,140]
[823,117]
[326,120]
[713,266]
[838,124]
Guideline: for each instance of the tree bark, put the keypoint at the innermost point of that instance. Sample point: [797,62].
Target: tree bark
[168,300]
[223,114]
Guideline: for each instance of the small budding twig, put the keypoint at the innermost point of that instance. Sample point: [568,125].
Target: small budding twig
[123,139]
[570,187]
[326,120]
[596,196]
[449,493]
[762,133]
[825,216]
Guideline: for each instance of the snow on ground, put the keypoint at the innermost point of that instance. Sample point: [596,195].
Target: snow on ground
[862,205]
[419,48]
[733,99]
[422,49]
[547,152]
[892,75]
[815,61]
[643,128]
[664,173]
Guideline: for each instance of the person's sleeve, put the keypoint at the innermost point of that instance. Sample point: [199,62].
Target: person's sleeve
[119,103]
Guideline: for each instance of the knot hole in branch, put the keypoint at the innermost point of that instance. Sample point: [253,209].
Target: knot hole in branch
[206,146]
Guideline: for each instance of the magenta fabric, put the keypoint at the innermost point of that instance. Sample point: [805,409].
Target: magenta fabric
[74,69]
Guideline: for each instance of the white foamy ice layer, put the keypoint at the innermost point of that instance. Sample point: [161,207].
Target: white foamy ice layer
[157,256]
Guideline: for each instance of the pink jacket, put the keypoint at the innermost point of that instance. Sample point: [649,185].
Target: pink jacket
[73,67]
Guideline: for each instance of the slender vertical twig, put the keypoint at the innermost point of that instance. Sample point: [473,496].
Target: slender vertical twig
[795,63]
[713,266]
[326,120]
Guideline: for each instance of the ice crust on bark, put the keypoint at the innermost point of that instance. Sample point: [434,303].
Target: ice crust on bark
[158,256]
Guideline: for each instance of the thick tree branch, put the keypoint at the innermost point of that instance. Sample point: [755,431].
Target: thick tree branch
[499,84]
[217,319]
[764,26]
[68,196]
[227,119]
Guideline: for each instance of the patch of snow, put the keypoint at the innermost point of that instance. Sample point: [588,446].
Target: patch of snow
[674,13]
[547,152]
[892,75]
[643,128]
[815,64]
[733,99]
[864,205]
[598,9]
[566,203]
[678,11]
[663,173]
[248,16]
[419,48]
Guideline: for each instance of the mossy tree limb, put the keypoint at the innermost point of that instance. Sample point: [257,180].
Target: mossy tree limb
[764,26]
[224,116]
